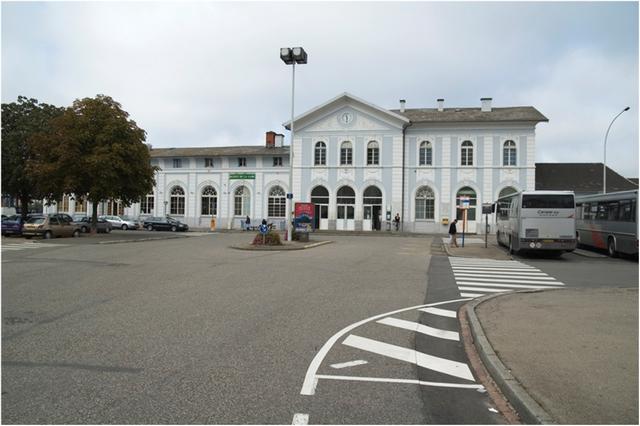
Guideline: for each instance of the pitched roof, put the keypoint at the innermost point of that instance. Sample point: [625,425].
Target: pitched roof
[453,115]
[582,178]
[218,151]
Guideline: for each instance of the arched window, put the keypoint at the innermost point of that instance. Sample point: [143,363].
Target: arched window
[466,154]
[346,195]
[320,195]
[63,206]
[146,204]
[509,153]
[426,154]
[81,205]
[241,202]
[473,201]
[507,191]
[373,153]
[424,203]
[320,158]
[277,202]
[177,201]
[346,154]
[209,201]
[372,195]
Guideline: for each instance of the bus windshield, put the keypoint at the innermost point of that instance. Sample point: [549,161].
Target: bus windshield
[547,201]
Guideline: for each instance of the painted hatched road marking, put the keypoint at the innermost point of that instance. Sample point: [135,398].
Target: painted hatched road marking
[28,245]
[420,328]
[430,362]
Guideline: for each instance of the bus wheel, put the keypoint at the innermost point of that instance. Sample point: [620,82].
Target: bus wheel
[611,247]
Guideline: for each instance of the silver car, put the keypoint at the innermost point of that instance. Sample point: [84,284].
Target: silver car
[118,223]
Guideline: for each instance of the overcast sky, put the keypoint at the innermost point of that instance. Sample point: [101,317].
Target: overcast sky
[209,74]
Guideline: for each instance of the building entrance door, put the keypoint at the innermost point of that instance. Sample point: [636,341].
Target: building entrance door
[471,211]
[371,220]
[346,215]
[321,216]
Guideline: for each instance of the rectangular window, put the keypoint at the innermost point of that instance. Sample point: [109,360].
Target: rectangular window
[345,156]
[146,205]
[277,161]
[277,206]
[242,161]
[467,157]
[372,156]
[208,162]
[548,202]
[177,163]
[626,211]
[320,157]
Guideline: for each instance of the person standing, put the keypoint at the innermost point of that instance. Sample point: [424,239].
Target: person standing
[452,233]
[247,223]
[396,221]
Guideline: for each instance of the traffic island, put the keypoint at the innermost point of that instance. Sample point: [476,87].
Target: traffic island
[283,247]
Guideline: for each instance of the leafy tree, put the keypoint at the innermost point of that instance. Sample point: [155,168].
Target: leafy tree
[21,122]
[96,151]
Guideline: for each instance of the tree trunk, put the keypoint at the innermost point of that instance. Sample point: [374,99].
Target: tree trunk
[24,207]
[94,217]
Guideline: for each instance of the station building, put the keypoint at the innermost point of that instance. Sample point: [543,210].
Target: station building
[359,163]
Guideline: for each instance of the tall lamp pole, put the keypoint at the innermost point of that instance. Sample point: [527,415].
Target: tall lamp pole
[604,166]
[292,56]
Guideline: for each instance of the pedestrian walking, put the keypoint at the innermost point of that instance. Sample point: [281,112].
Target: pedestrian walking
[452,233]
[247,223]
[396,221]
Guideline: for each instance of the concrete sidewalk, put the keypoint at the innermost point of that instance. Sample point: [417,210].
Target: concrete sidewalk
[567,356]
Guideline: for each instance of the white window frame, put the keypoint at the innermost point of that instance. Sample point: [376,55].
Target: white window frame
[350,164]
[245,202]
[473,153]
[433,206]
[177,208]
[324,156]
[177,163]
[430,145]
[514,148]
[376,155]
[276,202]
[208,197]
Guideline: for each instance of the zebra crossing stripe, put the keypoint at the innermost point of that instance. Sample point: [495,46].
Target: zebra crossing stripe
[430,362]
[440,312]
[420,328]
[485,289]
[481,275]
[498,280]
[501,271]
[508,286]
[471,294]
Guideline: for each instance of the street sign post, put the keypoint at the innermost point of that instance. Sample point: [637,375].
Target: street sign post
[465,202]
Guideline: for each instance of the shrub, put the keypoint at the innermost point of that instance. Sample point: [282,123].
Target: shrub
[272,238]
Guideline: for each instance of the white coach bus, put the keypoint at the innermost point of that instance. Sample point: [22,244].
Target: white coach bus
[537,221]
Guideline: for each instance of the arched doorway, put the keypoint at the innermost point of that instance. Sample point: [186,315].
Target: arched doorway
[471,211]
[345,200]
[507,191]
[372,202]
[320,197]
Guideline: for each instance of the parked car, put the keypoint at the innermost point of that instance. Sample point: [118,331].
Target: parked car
[84,223]
[12,225]
[50,226]
[119,223]
[164,224]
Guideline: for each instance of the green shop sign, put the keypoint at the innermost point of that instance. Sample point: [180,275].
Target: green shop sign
[242,175]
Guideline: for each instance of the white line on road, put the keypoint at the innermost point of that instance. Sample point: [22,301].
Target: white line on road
[349,364]
[495,268]
[300,419]
[496,271]
[441,365]
[488,290]
[310,380]
[471,294]
[409,381]
[420,328]
[440,312]
[499,280]
[510,276]
[506,285]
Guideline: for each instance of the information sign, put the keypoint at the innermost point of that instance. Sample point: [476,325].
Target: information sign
[263,229]
[242,175]
[304,215]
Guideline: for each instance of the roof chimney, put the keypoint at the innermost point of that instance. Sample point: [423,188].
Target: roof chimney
[279,139]
[441,105]
[402,102]
[486,104]
[271,139]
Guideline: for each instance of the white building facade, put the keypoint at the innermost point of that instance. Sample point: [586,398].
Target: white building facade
[359,163]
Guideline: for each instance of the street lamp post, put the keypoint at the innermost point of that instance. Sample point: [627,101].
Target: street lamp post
[604,165]
[292,56]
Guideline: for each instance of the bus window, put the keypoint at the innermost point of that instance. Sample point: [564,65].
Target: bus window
[586,211]
[612,210]
[625,214]
[601,213]
[547,202]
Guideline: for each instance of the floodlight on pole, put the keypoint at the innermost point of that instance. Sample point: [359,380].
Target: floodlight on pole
[292,56]
[604,164]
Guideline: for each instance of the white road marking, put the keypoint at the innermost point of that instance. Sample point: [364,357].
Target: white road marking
[471,294]
[349,364]
[496,271]
[500,280]
[310,380]
[300,419]
[485,289]
[493,268]
[516,286]
[493,410]
[441,365]
[440,312]
[420,328]
[409,381]
[510,276]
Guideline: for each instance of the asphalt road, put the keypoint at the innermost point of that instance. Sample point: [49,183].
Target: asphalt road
[187,330]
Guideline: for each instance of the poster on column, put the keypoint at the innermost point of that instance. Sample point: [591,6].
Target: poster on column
[304,214]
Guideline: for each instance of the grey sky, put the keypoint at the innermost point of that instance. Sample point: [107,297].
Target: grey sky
[209,74]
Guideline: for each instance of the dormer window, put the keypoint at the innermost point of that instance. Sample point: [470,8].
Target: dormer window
[208,162]
[242,161]
[277,161]
[177,163]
